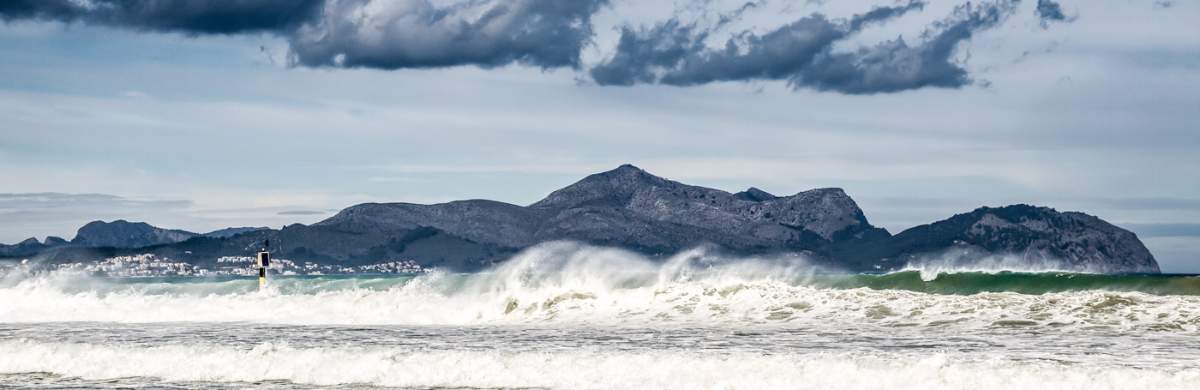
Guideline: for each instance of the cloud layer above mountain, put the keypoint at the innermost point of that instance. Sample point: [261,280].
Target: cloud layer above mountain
[815,51]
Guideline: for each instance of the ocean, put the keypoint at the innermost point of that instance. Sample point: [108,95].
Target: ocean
[567,316]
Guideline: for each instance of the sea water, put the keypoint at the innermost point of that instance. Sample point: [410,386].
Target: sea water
[569,316]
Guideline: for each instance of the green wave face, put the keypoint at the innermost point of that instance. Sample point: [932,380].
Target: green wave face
[571,270]
[966,283]
[949,283]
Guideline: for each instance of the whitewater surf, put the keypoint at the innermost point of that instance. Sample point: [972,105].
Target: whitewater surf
[564,315]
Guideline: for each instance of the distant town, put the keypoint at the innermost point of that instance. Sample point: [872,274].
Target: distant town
[149,265]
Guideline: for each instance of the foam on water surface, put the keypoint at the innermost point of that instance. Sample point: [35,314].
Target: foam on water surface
[574,369]
[569,284]
[571,316]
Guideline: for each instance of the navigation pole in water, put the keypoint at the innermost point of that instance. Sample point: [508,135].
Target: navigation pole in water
[264,261]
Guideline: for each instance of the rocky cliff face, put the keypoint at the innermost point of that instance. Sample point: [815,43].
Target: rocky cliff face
[630,207]
[124,234]
[633,209]
[30,246]
[1039,235]
[55,241]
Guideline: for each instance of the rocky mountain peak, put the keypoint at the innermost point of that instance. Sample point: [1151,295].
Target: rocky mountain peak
[55,240]
[1069,240]
[829,212]
[828,191]
[613,188]
[630,208]
[754,194]
[124,234]
[627,169]
[624,174]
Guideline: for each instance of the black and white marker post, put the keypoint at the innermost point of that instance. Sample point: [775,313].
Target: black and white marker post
[264,261]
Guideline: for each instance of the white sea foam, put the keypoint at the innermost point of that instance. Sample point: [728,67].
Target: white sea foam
[970,259]
[576,368]
[565,315]
[565,283]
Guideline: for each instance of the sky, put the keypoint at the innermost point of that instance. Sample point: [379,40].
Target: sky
[203,115]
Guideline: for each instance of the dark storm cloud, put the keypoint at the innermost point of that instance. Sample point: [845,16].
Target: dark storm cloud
[737,14]
[418,34]
[358,33]
[403,34]
[674,53]
[191,17]
[801,53]
[894,65]
[1049,11]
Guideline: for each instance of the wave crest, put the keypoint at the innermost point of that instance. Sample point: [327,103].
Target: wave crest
[573,283]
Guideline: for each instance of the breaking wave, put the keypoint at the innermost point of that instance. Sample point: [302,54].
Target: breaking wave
[573,283]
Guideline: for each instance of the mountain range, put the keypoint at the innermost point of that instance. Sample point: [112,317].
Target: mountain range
[630,208]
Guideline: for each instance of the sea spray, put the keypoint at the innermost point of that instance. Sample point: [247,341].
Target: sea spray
[568,283]
[965,258]
[565,315]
